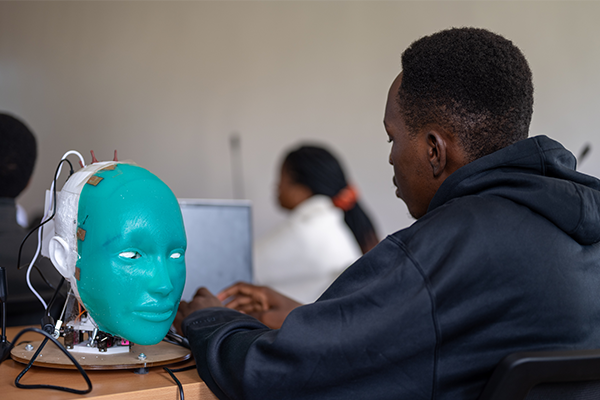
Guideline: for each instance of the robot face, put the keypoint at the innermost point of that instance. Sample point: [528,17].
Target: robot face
[131,246]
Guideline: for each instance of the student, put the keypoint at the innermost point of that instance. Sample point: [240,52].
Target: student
[18,153]
[504,255]
[324,233]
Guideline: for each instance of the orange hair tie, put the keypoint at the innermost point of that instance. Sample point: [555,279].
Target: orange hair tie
[346,198]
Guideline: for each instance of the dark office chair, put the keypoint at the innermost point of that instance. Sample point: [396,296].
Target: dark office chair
[546,375]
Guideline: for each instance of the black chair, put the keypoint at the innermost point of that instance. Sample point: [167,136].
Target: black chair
[547,375]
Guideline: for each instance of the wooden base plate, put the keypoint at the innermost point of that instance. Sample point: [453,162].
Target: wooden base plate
[51,357]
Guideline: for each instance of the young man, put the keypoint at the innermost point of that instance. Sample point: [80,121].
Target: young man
[503,257]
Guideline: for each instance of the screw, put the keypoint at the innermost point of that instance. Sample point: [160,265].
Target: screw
[29,347]
[142,357]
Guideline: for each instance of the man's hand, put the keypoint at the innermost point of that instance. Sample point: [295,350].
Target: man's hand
[268,306]
[202,299]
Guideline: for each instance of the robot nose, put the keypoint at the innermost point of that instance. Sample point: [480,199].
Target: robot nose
[161,281]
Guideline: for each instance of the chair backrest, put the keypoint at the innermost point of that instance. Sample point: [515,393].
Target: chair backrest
[548,375]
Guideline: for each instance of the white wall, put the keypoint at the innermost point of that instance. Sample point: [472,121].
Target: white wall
[167,83]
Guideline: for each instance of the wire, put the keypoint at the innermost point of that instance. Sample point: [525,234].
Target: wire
[174,338]
[181,396]
[44,218]
[184,368]
[43,277]
[40,231]
[39,228]
[62,313]
[53,299]
[170,371]
[53,190]
[78,154]
[61,347]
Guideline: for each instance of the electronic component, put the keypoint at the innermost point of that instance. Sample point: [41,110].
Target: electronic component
[81,334]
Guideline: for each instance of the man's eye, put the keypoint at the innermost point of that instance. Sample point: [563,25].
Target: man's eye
[132,255]
[175,255]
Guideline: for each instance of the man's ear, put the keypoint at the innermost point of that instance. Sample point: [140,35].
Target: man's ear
[437,152]
[59,252]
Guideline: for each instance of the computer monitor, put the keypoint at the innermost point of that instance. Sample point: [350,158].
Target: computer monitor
[219,243]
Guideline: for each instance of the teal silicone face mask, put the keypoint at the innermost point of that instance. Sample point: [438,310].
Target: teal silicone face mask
[131,245]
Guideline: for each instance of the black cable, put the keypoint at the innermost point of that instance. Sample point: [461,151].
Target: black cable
[43,277]
[53,212]
[174,338]
[53,299]
[61,347]
[38,351]
[170,371]
[181,396]
[184,368]
[48,322]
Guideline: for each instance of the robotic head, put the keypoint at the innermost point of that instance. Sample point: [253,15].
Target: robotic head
[120,241]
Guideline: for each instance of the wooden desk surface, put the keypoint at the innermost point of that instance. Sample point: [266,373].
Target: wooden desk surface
[157,384]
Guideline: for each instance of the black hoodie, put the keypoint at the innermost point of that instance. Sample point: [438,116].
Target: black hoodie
[506,259]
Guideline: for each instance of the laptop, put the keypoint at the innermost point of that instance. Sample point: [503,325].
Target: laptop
[219,244]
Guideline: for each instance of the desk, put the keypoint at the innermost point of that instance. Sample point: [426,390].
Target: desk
[107,385]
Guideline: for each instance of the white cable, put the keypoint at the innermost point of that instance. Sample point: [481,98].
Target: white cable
[37,252]
[68,153]
[46,214]
[78,154]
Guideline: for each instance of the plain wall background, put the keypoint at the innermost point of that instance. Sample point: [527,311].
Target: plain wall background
[168,83]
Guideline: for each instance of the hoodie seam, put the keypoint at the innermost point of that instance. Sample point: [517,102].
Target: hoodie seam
[582,213]
[542,157]
[581,205]
[431,294]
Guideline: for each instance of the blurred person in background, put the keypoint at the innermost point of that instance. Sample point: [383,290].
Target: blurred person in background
[326,231]
[18,154]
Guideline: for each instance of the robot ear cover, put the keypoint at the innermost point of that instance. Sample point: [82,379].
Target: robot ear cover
[59,251]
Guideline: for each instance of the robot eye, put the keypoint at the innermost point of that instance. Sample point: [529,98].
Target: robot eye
[175,255]
[132,255]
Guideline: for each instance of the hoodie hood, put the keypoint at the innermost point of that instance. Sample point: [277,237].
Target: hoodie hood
[538,173]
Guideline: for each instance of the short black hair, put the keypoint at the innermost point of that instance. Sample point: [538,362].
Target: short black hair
[18,153]
[473,82]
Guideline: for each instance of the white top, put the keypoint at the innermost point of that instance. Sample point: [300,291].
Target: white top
[304,255]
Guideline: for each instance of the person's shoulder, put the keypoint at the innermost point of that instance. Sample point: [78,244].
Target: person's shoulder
[316,208]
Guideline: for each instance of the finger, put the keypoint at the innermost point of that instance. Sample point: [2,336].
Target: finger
[237,288]
[238,301]
[228,292]
[245,304]
[251,309]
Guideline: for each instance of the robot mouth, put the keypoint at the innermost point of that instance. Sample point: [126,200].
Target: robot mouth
[154,316]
